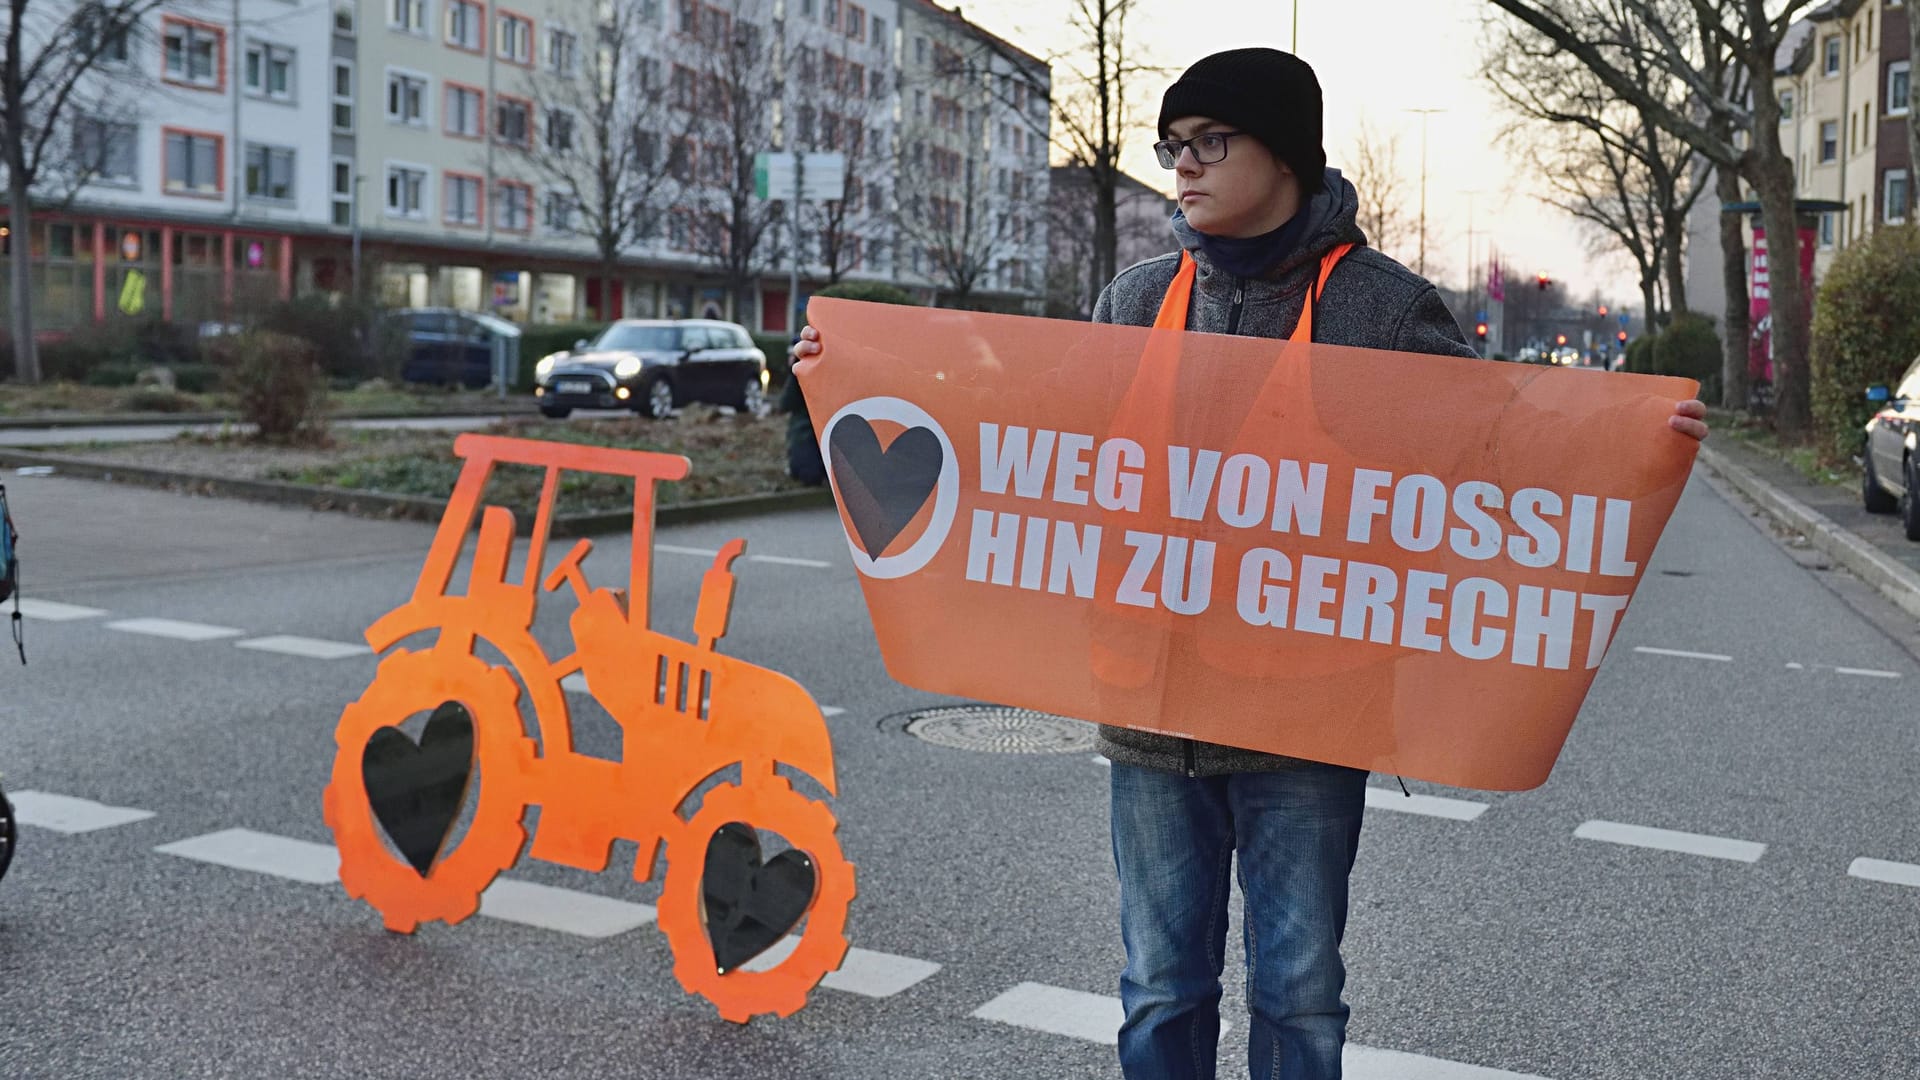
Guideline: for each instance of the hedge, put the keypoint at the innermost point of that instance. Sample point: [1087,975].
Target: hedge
[538,341]
[1690,348]
[1866,330]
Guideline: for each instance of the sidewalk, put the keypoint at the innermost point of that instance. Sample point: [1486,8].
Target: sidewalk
[1831,517]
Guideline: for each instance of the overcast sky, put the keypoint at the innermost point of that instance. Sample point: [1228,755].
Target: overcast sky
[1377,59]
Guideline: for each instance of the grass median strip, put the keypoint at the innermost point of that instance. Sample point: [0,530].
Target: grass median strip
[732,456]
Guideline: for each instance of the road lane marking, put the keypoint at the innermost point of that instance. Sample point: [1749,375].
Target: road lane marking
[782,560]
[262,853]
[1718,847]
[1791,666]
[66,814]
[575,683]
[309,648]
[864,972]
[1893,873]
[54,611]
[175,629]
[565,910]
[1379,798]
[831,710]
[1073,1013]
[1373,1063]
[672,549]
[1871,673]
[1683,654]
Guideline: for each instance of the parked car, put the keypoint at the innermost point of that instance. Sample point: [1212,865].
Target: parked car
[449,346]
[1890,470]
[654,366]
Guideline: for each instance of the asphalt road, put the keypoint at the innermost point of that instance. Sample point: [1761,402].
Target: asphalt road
[1760,705]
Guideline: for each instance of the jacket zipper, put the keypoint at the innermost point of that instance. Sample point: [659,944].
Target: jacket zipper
[1188,747]
[1233,314]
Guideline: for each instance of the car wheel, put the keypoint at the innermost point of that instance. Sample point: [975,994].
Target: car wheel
[1909,506]
[752,398]
[1876,499]
[556,412]
[656,399]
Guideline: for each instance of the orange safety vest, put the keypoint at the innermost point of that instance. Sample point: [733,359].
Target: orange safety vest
[1173,309]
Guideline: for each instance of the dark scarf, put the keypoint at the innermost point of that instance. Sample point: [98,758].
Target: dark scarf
[1251,256]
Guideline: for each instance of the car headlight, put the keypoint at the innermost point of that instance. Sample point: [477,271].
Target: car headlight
[545,367]
[628,368]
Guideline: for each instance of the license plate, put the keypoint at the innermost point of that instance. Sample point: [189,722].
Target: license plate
[576,386]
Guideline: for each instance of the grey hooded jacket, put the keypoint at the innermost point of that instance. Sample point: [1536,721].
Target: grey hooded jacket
[1370,301]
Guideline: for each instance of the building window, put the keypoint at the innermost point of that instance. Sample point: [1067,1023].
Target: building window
[1829,140]
[920,51]
[341,190]
[462,199]
[269,71]
[466,110]
[1899,87]
[1826,229]
[559,131]
[103,29]
[193,162]
[194,54]
[343,20]
[879,31]
[406,191]
[558,211]
[408,15]
[513,120]
[513,206]
[407,99]
[680,159]
[269,172]
[342,95]
[830,12]
[514,34]
[466,25]
[563,50]
[1786,105]
[1895,199]
[856,22]
[1832,64]
[686,88]
[108,151]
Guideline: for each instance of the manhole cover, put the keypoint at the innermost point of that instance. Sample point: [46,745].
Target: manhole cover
[1000,730]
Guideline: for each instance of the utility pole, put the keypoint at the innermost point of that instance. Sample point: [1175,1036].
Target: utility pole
[1424,114]
[1296,28]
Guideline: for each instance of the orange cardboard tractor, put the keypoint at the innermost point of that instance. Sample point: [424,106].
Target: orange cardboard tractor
[685,711]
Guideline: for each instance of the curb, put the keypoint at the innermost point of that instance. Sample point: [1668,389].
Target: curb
[1893,579]
[406,507]
[108,420]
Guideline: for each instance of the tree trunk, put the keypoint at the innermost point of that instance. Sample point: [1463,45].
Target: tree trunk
[1913,117]
[1733,268]
[1676,271]
[1791,311]
[26,362]
[1106,232]
[1650,303]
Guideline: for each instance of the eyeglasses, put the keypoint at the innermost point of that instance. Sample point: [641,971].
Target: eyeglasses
[1208,149]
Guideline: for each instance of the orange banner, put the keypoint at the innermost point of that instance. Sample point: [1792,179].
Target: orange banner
[1409,564]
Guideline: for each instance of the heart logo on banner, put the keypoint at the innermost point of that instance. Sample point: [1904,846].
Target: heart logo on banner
[415,791]
[883,490]
[751,905]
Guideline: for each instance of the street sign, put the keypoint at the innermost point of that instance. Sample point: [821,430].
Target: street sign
[823,176]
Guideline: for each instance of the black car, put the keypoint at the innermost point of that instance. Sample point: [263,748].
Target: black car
[653,366]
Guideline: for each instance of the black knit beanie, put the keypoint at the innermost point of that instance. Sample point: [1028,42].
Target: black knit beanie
[1271,95]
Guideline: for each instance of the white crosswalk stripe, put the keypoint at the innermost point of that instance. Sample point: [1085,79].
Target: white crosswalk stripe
[54,611]
[1379,798]
[262,853]
[863,972]
[175,629]
[66,814]
[1893,873]
[1717,847]
[309,648]
[567,911]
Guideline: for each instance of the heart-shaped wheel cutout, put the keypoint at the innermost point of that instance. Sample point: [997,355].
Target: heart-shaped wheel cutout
[751,905]
[883,490]
[416,790]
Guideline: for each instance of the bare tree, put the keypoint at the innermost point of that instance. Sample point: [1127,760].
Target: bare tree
[850,102]
[1377,175]
[1604,161]
[736,78]
[1913,117]
[50,52]
[603,131]
[951,214]
[1668,34]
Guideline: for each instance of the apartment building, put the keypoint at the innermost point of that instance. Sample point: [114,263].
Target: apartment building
[271,147]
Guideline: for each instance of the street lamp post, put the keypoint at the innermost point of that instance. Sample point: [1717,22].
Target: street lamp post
[1424,114]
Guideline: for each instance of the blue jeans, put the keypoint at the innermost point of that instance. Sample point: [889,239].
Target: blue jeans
[1296,833]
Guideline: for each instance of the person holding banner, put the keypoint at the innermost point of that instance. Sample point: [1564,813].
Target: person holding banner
[1269,247]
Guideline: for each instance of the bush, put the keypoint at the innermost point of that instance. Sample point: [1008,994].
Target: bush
[157,400]
[878,292]
[113,374]
[1640,354]
[195,378]
[278,382]
[1865,331]
[1690,348]
[353,340]
[538,341]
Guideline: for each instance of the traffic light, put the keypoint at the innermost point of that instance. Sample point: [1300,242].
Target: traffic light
[1543,281]
[1603,309]
[1480,331]
[1622,337]
[1561,340]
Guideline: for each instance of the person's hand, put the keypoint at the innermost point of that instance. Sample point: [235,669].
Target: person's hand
[808,346]
[1689,418]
